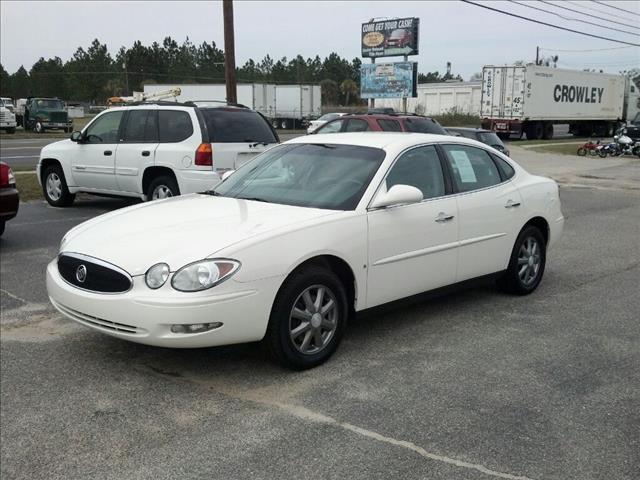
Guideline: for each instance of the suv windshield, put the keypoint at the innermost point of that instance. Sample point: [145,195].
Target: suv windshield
[306,174]
[490,138]
[237,125]
[47,104]
[423,125]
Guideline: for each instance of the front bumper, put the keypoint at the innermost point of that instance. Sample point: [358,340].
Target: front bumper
[145,316]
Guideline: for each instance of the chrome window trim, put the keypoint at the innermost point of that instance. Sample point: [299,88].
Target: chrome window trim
[102,263]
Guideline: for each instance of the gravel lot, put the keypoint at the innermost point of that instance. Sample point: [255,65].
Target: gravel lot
[473,384]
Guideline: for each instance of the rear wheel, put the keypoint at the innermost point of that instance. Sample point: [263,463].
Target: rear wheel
[527,262]
[162,187]
[54,187]
[307,319]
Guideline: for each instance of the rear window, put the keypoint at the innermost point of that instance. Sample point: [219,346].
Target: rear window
[423,125]
[174,126]
[235,125]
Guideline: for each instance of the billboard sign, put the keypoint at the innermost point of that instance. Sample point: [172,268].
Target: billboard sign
[389,80]
[390,38]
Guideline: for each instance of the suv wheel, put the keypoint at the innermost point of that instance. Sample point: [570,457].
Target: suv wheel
[54,187]
[162,187]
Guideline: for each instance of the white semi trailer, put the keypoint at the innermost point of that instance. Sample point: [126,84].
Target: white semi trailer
[531,99]
[286,106]
[440,98]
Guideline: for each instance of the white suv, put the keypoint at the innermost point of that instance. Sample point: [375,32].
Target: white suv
[153,150]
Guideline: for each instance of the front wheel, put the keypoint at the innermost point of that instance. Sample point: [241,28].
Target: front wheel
[11,130]
[54,187]
[581,152]
[602,153]
[527,262]
[307,319]
[38,127]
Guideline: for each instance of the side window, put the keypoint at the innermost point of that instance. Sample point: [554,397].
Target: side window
[174,126]
[420,168]
[151,127]
[389,125]
[136,125]
[357,125]
[105,128]
[472,167]
[331,127]
[506,169]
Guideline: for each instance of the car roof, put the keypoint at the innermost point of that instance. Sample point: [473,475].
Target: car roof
[468,129]
[380,139]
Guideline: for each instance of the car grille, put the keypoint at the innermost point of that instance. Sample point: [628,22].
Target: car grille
[92,321]
[4,117]
[96,276]
[58,117]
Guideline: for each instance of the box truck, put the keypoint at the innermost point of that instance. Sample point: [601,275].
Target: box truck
[286,106]
[531,99]
[439,99]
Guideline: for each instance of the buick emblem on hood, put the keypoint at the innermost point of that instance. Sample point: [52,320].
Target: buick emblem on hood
[81,273]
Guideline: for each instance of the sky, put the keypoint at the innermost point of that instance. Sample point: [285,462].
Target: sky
[450,31]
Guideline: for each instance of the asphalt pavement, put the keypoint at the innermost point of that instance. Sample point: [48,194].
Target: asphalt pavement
[474,384]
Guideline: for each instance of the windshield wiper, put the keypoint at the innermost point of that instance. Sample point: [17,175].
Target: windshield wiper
[213,193]
[255,143]
[323,145]
[255,199]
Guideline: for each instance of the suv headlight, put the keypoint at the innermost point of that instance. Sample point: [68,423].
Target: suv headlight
[204,274]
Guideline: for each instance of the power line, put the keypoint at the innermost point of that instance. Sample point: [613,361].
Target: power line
[589,15]
[616,8]
[582,51]
[550,24]
[570,18]
[596,10]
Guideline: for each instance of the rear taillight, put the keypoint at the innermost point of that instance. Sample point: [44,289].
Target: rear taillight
[204,155]
[6,175]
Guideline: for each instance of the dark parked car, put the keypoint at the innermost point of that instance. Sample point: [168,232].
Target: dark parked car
[9,198]
[487,137]
[371,122]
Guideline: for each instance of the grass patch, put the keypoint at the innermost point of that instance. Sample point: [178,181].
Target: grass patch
[574,140]
[28,186]
[564,149]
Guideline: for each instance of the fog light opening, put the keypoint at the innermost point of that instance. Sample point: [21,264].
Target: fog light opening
[195,327]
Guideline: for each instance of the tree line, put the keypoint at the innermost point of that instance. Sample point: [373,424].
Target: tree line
[93,74]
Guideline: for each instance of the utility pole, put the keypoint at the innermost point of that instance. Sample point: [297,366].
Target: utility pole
[126,77]
[537,55]
[229,52]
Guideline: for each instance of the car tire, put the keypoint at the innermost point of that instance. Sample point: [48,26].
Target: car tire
[54,187]
[11,130]
[527,262]
[2,222]
[307,338]
[161,187]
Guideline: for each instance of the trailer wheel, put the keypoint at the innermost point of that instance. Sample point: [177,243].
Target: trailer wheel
[284,124]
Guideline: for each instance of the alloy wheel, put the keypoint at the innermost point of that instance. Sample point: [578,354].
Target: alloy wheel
[529,261]
[313,319]
[161,191]
[54,187]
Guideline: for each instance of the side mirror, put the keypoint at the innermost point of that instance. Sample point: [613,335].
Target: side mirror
[397,195]
[227,174]
[615,138]
[76,137]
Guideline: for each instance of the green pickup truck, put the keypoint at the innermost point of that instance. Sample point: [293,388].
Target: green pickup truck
[40,114]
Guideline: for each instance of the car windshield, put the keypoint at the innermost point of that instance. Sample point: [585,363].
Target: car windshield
[490,138]
[423,125]
[46,104]
[313,175]
[328,117]
[237,125]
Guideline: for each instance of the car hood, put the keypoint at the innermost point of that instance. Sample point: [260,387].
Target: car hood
[50,148]
[179,230]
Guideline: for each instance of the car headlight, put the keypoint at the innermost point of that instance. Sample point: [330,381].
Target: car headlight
[157,275]
[204,274]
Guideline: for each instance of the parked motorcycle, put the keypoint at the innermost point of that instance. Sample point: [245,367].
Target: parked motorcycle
[589,148]
[610,149]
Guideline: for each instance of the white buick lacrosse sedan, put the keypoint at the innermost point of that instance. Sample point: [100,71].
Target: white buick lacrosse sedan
[290,246]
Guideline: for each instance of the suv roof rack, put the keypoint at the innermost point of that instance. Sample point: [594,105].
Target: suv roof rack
[230,104]
[158,102]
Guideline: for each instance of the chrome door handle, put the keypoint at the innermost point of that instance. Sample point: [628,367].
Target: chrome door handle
[512,204]
[443,217]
